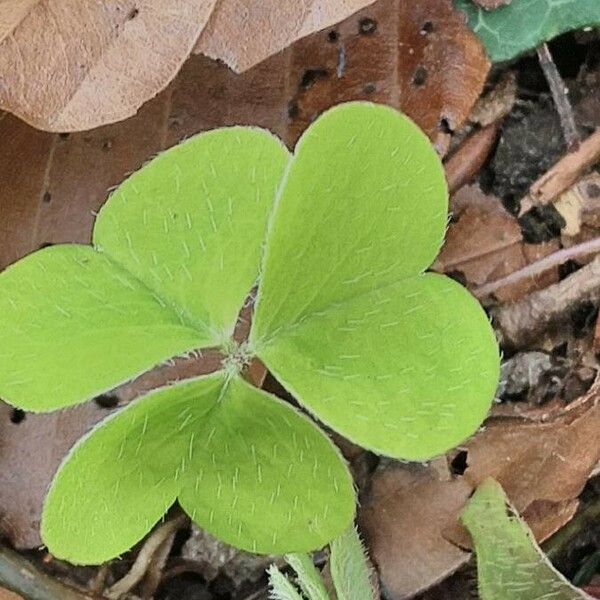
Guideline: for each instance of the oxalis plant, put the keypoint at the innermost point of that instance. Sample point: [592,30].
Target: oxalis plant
[336,239]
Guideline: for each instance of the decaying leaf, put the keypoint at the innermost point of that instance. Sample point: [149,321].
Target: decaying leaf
[417,56]
[403,517]
[242,33]
[70,65]
[484,243]
[539,460]
[510,565]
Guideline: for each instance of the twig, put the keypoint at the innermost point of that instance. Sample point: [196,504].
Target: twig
[155,568]
[563,174]
[19,575]
[540,266]
[469,157]
[559,93]
[522,322]
[144,557]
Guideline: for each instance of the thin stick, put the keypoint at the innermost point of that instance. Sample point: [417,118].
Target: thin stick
[144,557]
[20,576]
[562,175]
[560,95]
[540,266]
[470,156]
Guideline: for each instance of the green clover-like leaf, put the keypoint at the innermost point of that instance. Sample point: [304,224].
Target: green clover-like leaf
[245,466]
[400,361]
[176,250]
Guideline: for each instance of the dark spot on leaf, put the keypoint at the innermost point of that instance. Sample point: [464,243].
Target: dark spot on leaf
[106,400]
[47,197]
[427,28]
[311,76]
[107,145]
[367,26]
[369,88]
[333,36]
[293,110]
[133,13]
[420,76]
[459,463]
[17,416]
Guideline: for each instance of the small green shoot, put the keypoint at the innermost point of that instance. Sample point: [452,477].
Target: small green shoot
[510,565]
[337,239]
[350,573]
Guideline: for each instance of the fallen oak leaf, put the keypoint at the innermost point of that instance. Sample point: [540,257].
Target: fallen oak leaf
[243,33]
[70,66]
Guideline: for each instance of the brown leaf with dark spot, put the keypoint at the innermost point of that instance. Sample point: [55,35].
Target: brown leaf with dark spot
[417,56]
[402,517]
[243,33]
[442,67]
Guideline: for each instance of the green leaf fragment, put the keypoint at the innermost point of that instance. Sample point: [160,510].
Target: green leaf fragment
[364,204]
[190,224]
[523,25]
[349,569]
[309,577]
[281,587]
[408,370]
[74,325]
[510,565]
[245,466]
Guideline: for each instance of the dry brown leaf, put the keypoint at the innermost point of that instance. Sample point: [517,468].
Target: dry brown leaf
[70,65]
[536,460]
[484,243]
[403,516]
[243,33]
[417,56]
